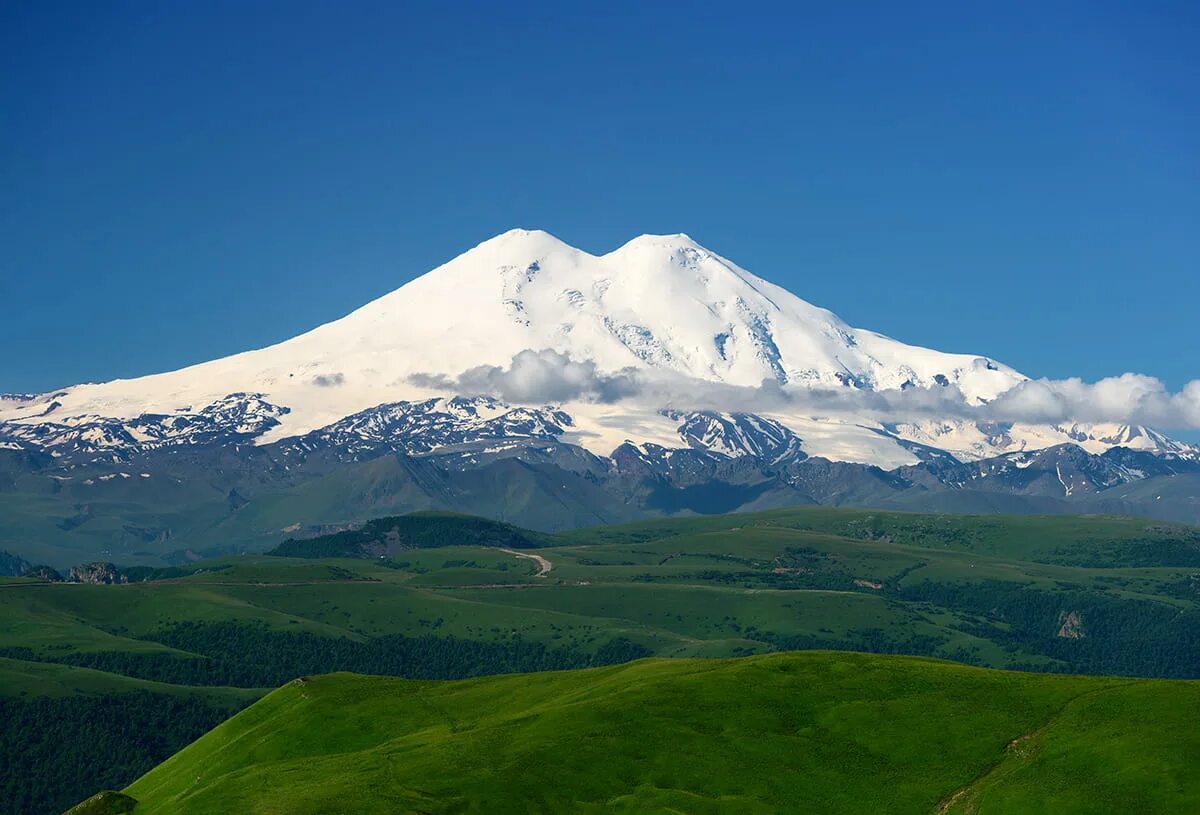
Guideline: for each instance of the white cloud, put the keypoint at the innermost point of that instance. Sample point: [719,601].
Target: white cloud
[1128,398]
[549,376]
[536,377]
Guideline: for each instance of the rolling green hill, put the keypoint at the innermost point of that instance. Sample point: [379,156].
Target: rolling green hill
[417,530]
[796,732]
[1114,596]
[1074,540]
[989,590]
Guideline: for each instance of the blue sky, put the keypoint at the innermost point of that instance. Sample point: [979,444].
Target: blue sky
[183,181]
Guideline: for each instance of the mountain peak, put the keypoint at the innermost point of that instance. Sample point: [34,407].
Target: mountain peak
[521,239]
[533,239]
[659,302]
[519,233]
[671,243]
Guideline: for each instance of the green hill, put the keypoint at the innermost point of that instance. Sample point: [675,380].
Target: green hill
[796,732]
[418,530]
[1060,594]
[1071,540]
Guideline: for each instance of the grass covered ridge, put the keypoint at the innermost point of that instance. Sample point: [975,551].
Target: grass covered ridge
[418,530]
[826,732]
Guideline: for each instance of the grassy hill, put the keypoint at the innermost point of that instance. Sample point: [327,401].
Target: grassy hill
[989,590]
[1075,540]
[417,530]
[1057,594]
[796,732]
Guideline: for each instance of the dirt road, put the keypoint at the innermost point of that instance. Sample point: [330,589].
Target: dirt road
[544,566]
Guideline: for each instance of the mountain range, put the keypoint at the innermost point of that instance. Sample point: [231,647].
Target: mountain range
[534,382]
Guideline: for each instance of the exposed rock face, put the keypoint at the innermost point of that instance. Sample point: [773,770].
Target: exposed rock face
[99,573]
[1070,625]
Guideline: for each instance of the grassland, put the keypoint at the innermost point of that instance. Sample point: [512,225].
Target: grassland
[720,586]
[1069,595]
[798,732]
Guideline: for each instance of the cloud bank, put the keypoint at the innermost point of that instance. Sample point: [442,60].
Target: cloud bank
[1128,398]
[538,377]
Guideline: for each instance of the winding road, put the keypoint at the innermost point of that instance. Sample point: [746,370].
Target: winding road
[544,567]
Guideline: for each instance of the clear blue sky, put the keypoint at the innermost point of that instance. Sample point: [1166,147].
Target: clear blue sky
[180,181]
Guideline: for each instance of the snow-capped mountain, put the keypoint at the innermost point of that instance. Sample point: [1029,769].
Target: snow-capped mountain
[974,440]
[423,427]
[1065,470]
[533,382]
[232,419]
[662,312]
[740,434]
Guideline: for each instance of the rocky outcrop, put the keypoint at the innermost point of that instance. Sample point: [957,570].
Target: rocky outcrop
[1070,625]
[99,573]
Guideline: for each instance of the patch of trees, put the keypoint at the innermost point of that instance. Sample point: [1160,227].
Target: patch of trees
[1180,549]
[929,531]
[254,656]
[1116,635]
[137,574]
[420,530]
[830,581]
[796,568]
[871,640]
[54,752]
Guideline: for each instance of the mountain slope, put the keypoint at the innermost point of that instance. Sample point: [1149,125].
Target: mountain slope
[628,345]
[532,382]
[659,302]
[171,505]
[797,732]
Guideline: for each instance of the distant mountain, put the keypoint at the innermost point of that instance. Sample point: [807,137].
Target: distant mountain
[661,302]
[532,382]
[660,307]
[171,504]
[11,565]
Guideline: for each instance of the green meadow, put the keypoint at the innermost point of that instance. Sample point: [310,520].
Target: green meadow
[1116,597]
[797,732]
